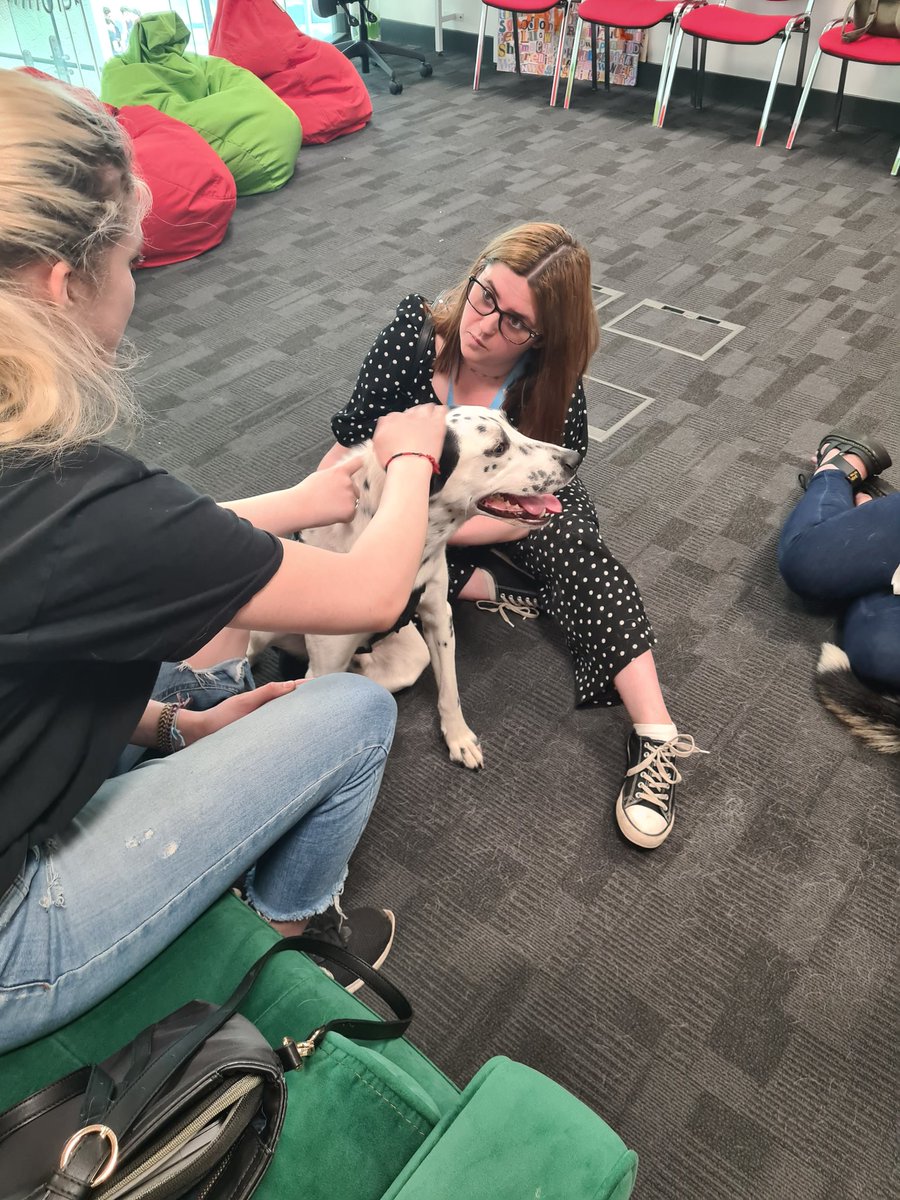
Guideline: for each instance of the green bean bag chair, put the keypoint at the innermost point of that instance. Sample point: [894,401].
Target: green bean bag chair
[251,129]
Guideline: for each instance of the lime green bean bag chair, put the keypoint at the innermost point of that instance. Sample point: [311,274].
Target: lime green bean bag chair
[372,1121]
[251,129]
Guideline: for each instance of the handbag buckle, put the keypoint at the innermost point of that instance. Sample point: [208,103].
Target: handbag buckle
[101,1174]
[300,1049]
[293,1053]
[308,1046]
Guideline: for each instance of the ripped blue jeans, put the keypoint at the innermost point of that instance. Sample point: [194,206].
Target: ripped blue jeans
[180,683]
[285,792]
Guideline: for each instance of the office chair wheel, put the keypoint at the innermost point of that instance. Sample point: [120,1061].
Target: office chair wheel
[425,70]
[395,87]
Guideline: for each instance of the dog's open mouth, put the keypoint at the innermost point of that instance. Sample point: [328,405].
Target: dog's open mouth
[532,510]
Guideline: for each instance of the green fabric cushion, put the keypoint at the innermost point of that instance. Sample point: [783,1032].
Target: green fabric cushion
[363,1121]
[291,997]
[354,1120]
[515,1133]
[256,134]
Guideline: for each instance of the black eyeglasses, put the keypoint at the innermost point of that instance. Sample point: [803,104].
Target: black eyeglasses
[511,325]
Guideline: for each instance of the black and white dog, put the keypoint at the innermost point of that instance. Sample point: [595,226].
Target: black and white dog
[486,466]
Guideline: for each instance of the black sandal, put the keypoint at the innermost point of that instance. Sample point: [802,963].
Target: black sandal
[873,454]
[876,487]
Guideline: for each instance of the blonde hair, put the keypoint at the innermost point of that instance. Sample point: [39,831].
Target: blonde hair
[68,192]
[558,271]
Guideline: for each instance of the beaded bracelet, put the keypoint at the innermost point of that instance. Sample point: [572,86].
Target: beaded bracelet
[168,737]
[435,469]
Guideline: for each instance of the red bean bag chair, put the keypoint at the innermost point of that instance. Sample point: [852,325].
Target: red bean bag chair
[322,86]
[194,193]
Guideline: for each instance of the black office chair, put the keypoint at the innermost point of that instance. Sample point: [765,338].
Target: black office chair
[362,47]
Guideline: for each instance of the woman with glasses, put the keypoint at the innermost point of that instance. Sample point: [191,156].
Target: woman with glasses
[517,334]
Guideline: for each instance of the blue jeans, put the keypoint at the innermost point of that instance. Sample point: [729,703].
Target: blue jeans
[831,551]
[286,791]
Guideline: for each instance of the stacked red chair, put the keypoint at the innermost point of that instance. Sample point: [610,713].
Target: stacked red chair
[868,48]
[614,14]
[322,86]
[194,193]
[722,22]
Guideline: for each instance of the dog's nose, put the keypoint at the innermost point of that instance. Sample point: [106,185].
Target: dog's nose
[570,459]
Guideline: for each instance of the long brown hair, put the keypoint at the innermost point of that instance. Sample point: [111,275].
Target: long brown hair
[68,192]
[558,271]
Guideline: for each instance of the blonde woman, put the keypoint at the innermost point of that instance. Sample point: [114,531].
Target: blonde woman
[126,593]
[517,334]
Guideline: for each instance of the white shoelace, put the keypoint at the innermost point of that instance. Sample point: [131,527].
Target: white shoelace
[519,607]
[661,773]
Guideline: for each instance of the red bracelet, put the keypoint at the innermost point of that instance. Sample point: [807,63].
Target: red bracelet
[435,469]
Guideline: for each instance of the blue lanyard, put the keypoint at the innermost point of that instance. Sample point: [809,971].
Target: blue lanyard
[500,396]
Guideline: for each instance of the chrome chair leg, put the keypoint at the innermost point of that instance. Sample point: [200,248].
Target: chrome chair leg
[701,74]
[839,99]
[807,88]
[563,31]
[804,45]
[484,13]
[670,76]
[579,25]
[664,69]
[770,95]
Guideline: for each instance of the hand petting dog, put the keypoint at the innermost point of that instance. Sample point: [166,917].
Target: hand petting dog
[329,496]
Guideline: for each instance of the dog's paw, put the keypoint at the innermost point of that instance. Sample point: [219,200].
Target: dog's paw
[466,749]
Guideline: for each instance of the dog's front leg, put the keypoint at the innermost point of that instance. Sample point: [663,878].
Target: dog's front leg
[437,629]
[330,653]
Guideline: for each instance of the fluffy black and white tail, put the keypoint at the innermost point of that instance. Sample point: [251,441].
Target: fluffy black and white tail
[871,716]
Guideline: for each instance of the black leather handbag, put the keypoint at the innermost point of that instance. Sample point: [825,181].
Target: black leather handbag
[193,1106]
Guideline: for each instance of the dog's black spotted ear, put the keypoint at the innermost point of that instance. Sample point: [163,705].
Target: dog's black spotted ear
[448,463]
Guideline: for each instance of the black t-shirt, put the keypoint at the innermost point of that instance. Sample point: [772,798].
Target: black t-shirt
[107,569]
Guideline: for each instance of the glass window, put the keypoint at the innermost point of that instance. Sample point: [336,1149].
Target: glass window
[72,39]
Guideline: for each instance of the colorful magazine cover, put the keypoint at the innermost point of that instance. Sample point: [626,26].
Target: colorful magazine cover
[538,36]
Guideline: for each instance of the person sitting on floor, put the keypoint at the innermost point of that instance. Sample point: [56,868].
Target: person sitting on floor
[841,546]
[517,334]
[122,584]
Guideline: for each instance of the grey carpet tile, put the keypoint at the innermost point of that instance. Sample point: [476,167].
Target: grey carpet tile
[727,1002]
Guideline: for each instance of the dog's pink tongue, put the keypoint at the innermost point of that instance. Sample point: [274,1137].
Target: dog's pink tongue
[537,505]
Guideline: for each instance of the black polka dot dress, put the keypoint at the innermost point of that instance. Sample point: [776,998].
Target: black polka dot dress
[582,586]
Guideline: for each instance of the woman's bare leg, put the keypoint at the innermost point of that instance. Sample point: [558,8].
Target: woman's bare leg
[638,685]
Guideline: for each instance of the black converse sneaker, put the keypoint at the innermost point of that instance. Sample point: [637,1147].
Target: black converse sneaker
[514,592]
[366,932]
[645,808]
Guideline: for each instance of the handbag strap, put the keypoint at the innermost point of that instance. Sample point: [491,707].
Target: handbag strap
[119,1111]
[853,35]
[424,338]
